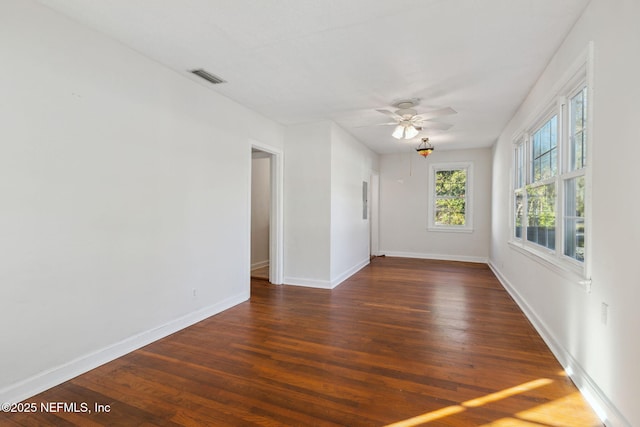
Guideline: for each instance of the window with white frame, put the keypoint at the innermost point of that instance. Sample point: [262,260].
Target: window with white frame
[574,179]
[549,182]
[450,197]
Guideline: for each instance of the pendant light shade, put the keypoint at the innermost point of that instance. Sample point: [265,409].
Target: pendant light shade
[405,130]
[410,132]
[425,148]
[398,132]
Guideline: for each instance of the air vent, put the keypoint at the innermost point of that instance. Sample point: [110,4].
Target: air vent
[208,76]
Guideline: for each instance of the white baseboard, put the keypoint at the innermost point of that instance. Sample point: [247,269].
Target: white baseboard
[45,380]
[259,264]
[442,257]
[309,283]
[606,410]
[326,284]
[350,272]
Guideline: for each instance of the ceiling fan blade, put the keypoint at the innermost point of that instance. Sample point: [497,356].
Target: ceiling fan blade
[390,114]
[436,113]
[433,125]
[378,124]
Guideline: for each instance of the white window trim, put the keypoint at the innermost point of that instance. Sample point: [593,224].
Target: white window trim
[468,227]
[580,74]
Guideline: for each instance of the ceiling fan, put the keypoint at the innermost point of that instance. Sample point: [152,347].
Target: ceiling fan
[409,123]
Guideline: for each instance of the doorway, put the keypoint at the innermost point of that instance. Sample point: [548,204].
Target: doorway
[260,213]
[266,245]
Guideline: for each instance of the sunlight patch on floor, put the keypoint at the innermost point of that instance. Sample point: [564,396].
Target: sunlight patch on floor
[568,411]
[507,392]
[512,422]
[455,409]
[428,417]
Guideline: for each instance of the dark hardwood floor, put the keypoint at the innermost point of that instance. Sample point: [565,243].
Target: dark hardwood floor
[404,342]
[260,273]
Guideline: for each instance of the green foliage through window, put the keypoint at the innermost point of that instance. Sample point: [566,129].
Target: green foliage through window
[450,203]
[541,215]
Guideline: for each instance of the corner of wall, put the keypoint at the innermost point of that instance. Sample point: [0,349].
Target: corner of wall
[349,272]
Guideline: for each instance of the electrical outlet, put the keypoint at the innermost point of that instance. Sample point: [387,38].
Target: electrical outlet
[604,313]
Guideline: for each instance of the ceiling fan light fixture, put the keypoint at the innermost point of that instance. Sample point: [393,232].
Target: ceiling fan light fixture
[408,123]
[398,132]
[410,132]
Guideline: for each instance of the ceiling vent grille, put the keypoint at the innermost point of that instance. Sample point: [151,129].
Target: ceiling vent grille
[208,76]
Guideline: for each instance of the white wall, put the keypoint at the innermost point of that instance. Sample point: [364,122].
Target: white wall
[326,239]
[307,204]
[604,358]
[404,180]
[260,210]
[123,187]
[351,164]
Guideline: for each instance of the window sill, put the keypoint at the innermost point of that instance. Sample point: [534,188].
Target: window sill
[450,229]
[575,274]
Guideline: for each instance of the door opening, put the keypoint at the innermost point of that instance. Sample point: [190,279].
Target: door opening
[266,224]
[260,213]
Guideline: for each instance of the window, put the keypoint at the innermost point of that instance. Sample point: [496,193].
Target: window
[574,218]
[541,193]
[549,181]
[450,201]
[518,193]
[541,215]
[545,150]
[574,183]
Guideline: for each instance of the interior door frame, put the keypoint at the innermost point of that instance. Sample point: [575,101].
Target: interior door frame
[276,218]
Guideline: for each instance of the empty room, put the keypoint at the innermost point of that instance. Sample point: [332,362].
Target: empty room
[319,213]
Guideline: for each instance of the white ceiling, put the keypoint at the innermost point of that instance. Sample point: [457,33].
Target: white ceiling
[298,61]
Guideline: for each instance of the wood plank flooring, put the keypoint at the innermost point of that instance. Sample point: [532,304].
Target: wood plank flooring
[404,342]
[260,273]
